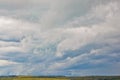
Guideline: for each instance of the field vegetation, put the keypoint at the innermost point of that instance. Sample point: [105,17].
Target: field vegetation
[60,78]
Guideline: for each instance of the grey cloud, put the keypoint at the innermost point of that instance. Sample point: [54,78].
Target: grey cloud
[59,29]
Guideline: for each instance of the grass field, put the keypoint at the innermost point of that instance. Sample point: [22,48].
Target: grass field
[34,78]
[61,78]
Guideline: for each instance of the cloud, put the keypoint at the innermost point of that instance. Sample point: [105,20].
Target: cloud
[66,37]
[7,63]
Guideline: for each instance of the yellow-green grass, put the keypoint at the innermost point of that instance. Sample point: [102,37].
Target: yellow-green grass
[32,78]
[61,78]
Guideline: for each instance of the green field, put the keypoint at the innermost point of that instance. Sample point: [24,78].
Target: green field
[34,79]
[62,78]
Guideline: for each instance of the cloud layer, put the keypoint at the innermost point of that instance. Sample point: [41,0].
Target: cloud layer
[72,37]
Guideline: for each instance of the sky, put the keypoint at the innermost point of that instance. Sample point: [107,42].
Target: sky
[60,37]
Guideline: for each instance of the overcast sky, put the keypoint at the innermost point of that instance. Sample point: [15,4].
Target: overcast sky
[60,37]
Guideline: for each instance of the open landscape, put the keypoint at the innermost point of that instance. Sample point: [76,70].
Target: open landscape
[61,78]
[59,39]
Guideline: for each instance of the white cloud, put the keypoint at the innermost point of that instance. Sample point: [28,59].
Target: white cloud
[7,63]
[93,33]
[101,34]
